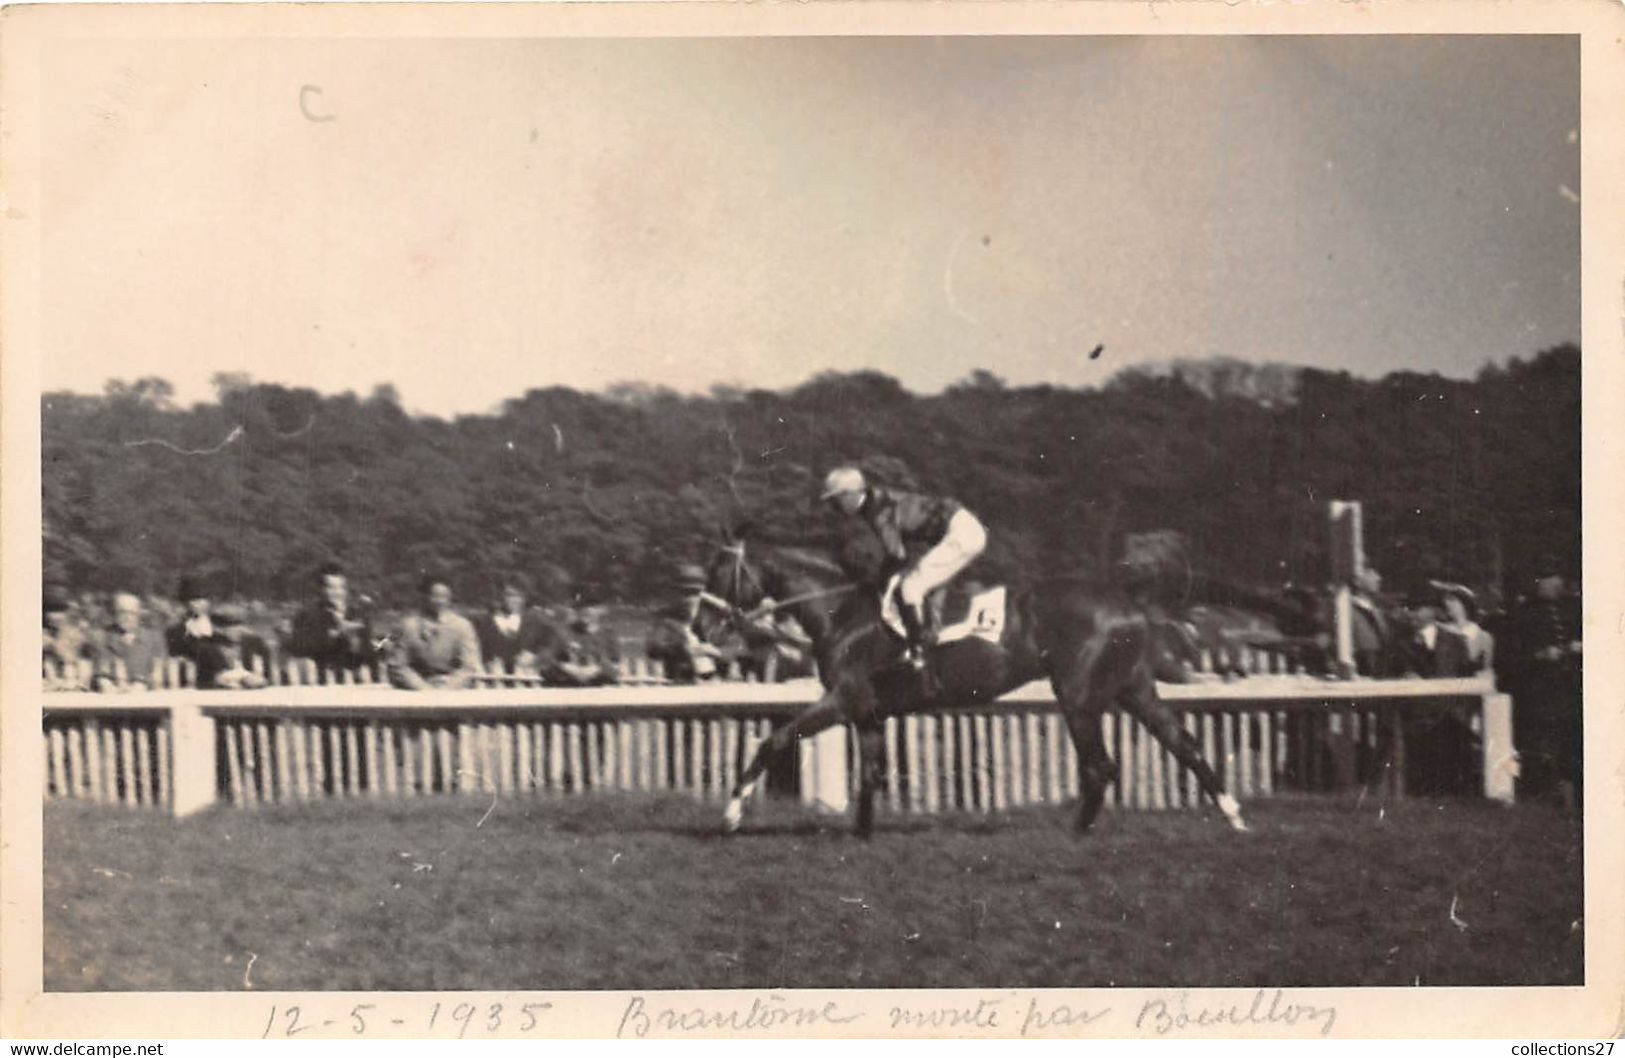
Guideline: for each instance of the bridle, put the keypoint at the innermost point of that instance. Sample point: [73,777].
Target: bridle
[741,570]
[731,612]
[737,616]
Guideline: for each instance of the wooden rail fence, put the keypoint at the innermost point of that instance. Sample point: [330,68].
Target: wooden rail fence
[186,749]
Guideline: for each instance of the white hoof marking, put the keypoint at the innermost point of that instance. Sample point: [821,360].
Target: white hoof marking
[1232,811]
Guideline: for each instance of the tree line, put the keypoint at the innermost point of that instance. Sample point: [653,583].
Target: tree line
[597,497]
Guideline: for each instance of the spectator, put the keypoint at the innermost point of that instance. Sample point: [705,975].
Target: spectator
[778,647]
[129,646]
[1369,625]
[515,634]
[328,629]
[436,647]
[1546,675]
[66,644]
[1464,647]
[674,643]
[1422,649]
[192,637]
[1442,750]
[240,658]
[590,656]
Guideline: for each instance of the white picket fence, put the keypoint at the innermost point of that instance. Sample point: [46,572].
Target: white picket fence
[186,749]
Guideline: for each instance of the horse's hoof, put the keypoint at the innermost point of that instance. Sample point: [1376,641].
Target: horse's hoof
[1232,812]
[733,816]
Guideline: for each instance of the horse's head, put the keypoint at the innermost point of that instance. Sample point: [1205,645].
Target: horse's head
[735,584]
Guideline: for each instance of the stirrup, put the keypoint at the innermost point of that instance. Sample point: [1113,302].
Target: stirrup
[926,674]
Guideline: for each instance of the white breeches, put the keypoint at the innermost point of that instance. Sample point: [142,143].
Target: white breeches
[964,540]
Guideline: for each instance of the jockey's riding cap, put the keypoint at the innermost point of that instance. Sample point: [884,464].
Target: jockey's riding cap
[843,479]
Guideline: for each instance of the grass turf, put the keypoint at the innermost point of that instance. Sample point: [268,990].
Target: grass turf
[598,893]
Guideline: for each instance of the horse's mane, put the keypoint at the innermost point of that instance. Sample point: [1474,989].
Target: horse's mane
[798,559]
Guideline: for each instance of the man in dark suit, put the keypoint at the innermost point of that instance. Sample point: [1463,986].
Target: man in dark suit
[241,657]
[1370,628]
[193,636]
[1422,647]
[329,630]
[1545,666]
[514,634]
[588,654]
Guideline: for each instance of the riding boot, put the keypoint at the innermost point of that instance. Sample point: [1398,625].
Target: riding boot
[916,654]
[914,626]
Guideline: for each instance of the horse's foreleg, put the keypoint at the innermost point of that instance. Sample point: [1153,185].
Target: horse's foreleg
[821,715]
[872,765]
[1140,700]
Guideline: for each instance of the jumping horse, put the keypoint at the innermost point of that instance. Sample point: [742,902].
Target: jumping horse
[1092,641]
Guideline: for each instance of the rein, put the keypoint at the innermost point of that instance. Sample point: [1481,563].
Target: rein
[714,601]
[742,570]
[822,593]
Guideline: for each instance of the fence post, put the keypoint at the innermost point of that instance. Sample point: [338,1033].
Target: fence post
[1500,756]
[824,770]
[192,758]
[1343,603]
[1348,566]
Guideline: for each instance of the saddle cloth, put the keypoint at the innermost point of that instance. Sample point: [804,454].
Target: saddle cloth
[960,611]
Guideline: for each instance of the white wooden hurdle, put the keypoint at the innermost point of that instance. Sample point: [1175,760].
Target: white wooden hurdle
[185,750]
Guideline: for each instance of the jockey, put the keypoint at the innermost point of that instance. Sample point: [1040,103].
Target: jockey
[940,536]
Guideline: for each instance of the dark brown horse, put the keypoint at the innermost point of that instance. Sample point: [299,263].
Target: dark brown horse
[1091,641]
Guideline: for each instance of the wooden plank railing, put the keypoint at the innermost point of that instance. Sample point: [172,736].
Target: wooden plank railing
[187,749]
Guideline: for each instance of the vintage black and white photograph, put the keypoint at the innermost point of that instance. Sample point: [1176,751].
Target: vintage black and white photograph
[693,512]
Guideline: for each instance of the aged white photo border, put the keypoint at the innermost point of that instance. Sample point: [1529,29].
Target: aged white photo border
[1596,1009]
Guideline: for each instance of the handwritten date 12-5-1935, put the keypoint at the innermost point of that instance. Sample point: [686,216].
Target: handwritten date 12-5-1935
[450,1019]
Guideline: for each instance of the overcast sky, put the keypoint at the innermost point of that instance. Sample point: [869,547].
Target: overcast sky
[479,218]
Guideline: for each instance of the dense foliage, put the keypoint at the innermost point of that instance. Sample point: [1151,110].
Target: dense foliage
[599,496]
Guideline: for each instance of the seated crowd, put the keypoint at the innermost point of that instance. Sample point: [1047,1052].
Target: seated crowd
[124,642]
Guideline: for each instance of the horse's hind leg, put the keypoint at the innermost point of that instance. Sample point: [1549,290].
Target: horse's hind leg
[1140,700]
[821,715]
[1080,693]
[1096,769]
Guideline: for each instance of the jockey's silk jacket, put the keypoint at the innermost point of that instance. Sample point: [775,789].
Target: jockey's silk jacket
[908,523]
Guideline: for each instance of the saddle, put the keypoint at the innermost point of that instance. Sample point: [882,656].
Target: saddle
[956,611]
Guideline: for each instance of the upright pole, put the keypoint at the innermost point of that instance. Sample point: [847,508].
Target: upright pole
[1347,568]
[1345,630]
[1500,758]
[192,758]
[824,770]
